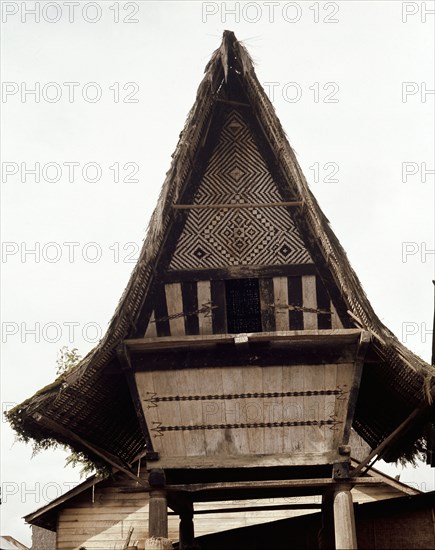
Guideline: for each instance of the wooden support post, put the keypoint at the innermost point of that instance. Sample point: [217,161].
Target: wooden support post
[158,513]
[326,534]
[344,519]
[187,535]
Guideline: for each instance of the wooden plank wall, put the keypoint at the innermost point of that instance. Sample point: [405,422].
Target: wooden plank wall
[244,411]
[102,522]
[286,303]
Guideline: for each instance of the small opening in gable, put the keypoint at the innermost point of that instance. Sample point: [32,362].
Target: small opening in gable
[243,305]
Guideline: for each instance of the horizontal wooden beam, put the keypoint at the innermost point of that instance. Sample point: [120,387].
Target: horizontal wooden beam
[306,506]
[230,102]
[230,356]
[236,272]
[319,483]
[277,460]
[231,206]
[310,337]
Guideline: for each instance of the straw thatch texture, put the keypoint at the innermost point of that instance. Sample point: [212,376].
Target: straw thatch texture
[98,405]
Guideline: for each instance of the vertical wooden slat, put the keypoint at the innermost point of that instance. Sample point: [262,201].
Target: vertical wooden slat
[213,411]
[204,301]
[314,407]
[174,303]
[191,411]
[344,381]
[335,319]
[266,304]
[146,389]
[161,312]
[323,303]
[330,384]
[151,331]
[273,409]
[280,292]
[233,383]
[309,301]
[219,317]
[296,318]
[190,306]
[169,413]
[293,411]
[253,409]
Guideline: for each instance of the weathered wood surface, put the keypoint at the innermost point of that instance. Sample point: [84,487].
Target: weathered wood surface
[228,416]
[280,291]
[309,301]
[344,521]
[101,520]
[174,303]
[204,302]
[198,306]
[333,336]
[151,331]
[158,514]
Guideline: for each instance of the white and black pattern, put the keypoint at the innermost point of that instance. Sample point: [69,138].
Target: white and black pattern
[237,174]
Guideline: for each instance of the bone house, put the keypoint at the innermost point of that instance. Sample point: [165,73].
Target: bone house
[243,349]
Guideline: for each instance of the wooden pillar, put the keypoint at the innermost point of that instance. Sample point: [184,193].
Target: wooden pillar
[187,535]
[326,535]
[344,519]
[158,513]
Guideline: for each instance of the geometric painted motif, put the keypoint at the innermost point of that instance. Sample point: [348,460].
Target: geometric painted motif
[219,237]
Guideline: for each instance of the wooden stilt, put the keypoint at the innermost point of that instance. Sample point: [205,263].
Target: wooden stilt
[344,519]
[158,513]
[186,530]
[326,534]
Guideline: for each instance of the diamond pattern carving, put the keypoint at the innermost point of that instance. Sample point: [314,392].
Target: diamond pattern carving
[237,174]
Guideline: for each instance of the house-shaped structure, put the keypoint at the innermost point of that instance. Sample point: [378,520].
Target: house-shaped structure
[244,348]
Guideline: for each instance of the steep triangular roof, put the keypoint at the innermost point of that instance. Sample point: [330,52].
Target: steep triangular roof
[99,408]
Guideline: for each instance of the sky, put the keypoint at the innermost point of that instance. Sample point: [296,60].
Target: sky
[94,97]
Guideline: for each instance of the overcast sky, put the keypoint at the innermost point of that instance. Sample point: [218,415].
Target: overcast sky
[113,83]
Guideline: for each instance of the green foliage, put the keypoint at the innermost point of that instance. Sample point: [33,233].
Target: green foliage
[67,359]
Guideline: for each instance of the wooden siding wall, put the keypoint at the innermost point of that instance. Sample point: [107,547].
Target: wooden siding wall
[101,521]
[199,307]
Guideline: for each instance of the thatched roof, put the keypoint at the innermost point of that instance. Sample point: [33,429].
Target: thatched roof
[94,400]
